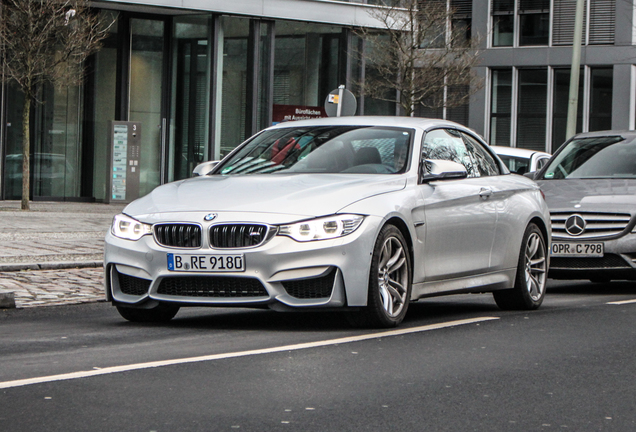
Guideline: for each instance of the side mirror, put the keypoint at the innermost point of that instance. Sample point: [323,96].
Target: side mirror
[433,169]
[531,174]
[204,168]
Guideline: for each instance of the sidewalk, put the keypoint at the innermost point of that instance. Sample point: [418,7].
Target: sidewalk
[53,254]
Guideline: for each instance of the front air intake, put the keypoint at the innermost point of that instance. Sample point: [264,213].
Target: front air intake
[132,285]
[211,286]
[311,288]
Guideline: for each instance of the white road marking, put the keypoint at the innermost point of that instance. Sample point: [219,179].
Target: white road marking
[622,302]
[154,364]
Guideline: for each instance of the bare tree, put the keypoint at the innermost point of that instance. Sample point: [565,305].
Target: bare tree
[419,57]
[45,41]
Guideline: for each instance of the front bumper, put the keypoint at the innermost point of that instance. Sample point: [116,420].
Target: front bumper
[618,261]
[279,274]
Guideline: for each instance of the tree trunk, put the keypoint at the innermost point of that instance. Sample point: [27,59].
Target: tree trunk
[26,151]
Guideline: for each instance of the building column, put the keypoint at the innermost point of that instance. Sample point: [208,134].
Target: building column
[622,100]
[479,108]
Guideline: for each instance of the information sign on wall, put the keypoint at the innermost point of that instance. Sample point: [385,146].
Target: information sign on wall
[281,113]
[119,162]
[123,161]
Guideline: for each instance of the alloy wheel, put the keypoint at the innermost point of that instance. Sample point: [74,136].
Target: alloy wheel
[393,276]
[535,266]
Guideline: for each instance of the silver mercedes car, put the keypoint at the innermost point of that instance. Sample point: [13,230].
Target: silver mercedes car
[361,214]
[590,188]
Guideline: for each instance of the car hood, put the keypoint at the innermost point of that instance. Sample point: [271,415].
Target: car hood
[299,194]
[604,195]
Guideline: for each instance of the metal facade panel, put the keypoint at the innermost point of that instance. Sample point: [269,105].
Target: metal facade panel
[323,11]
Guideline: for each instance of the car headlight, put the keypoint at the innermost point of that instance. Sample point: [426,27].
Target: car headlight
[329,227]
[128,228]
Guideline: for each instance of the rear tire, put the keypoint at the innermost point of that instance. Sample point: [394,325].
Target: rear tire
[158,314]
[389,282]
[529,290]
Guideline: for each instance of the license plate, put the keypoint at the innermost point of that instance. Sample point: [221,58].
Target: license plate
[206,263]
[589,250]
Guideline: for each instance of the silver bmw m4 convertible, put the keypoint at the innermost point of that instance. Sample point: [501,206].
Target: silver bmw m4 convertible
[362,214]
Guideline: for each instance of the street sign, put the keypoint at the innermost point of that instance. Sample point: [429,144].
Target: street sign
[340,102]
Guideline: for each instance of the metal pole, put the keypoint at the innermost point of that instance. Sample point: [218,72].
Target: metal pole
[573,101]
[340,94]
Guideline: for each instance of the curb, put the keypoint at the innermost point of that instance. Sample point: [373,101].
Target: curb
[50,265]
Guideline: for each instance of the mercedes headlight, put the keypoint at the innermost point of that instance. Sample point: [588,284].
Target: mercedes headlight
[128,228]
[329,227]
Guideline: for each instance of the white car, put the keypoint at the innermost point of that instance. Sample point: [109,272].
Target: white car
[362,214]
[520,160]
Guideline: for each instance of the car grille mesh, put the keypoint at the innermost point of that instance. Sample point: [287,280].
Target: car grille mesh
[320,287]
[228,236]
[133,285]
[597,224]
[609,261]
[178,235]
[211,286]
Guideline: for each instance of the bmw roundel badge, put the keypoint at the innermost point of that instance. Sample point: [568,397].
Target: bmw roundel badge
[210,216]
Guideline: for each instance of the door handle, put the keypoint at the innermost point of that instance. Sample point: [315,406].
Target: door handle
[485,193]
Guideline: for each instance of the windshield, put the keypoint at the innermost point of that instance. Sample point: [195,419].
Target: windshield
[323,149]
[599,157]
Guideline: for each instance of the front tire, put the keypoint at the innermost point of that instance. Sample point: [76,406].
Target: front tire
[389,282]
[158,314]
[600,279]
[530,282]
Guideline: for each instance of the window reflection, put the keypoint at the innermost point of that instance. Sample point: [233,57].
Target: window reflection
[234,35]
[190,107]
[306,68]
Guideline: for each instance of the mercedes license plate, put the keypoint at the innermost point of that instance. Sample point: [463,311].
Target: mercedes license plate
[206,263]
[570,249]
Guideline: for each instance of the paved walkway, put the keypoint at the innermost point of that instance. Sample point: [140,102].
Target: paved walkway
[53,254]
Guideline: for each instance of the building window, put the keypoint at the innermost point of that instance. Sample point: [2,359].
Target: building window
[452,98]
[599,17]
[602,22]
[458,113]
[500,107]
[234,40]
[190,107]
[461,22]
[560,102]
[601,86]
[531,108]
[534,22]
[307,67]
[503,22]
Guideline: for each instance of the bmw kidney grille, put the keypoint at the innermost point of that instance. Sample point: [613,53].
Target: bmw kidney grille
[227,236]
[178,235]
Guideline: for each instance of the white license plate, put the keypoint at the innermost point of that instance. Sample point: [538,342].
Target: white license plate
[206,263]
[589,250]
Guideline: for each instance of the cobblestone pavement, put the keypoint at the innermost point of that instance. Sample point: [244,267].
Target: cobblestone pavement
[54,287]
[53,233]
[53,254]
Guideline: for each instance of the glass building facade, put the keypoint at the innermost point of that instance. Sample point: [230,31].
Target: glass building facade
[199,82]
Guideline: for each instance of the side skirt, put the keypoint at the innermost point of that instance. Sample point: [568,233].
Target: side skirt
[487,282]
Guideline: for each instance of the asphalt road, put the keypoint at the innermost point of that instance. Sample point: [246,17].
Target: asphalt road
[456,364]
